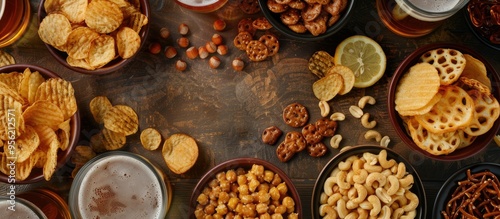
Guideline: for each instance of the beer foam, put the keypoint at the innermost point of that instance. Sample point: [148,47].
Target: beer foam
[22,211]
[198,3]
[435,6]
[120,187]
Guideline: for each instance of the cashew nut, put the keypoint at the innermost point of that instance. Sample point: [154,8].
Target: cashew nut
[396,214]
[412,205]
[382,160]
[346,165]
[326,209]
[410,215]
[337,116]
[324,108]
[406,182]
[350,205]
[384,142]
[393,185]
[360,176]
[366,100]
[352,215]
[497,140]
[399,200]
[342,180]
[376,205]
[335,141]
[372,168]
[370,158]
[366,205]
[376,177]
[323,198]
[341,208]
[328,186]
[365,121]
[360,192]
[362,213]
[385,213]
[382,195]
[356,111]
[357,165]
[335,171]
[334,198]
[372,134]
[401,172]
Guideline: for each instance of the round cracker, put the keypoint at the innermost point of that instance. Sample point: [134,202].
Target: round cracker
[326,88]
[54,29]
[128,42]
[79,42]
[347,76]
[150,139]
[98,107]
[101,51]
[417,87]
[180,152]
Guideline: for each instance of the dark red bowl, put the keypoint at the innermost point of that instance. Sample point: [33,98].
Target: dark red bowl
[245,163]
[480,143]
[112,66]
[62,156]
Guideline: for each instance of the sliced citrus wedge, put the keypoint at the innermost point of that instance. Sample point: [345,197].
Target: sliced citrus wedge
[364,57]
[398,13]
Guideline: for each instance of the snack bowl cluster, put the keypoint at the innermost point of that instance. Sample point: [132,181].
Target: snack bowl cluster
[398,122]
[244,166]
[480,20]
[330,170]
[115,64]
[275,20]
[201,6]
[62,156]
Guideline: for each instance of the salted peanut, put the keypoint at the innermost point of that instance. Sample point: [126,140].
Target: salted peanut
[202,52]
[222,49]
[183,42]
[366,100]
[365,121]
[164,33]
[217,39]
[238,64]
[324,108]
[337,116]
[384,142]
[356,111]
[219,25]
[214,62]
[192,52]
[183,29]
[170,52]
[335,141]
[372,134]
[180,65]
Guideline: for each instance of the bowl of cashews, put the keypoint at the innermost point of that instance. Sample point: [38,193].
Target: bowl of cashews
[368,181]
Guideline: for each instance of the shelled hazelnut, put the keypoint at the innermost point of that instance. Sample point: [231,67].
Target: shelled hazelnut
[180,65]
[192,52]
[154,48]
[238,64]
[183,42]
[211,47]
[222,49]
[217,39]
[214,62]
[164,33]
[219,25]
[202,52]
[183,29]
[170,52]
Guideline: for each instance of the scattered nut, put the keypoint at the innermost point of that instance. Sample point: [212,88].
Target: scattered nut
[356,111]
[337,116]
[365,121]
[183,29]
[217,39]
[345,148]
[372,134]
[238,64]
[202,52]
[170,52]
[214,62]
[324,108]
[183,42]
[154,48]
[335,141]
[384,142]
[180,65]
[219,25]
[366,100]
[497,140]
[164,33]
[211,47]
[192,52]
[222,49]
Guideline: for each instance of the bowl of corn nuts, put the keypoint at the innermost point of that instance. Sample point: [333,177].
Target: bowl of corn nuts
[368,181]
[245,187]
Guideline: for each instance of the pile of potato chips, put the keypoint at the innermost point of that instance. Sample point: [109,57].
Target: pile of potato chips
[35,117]
[93,33]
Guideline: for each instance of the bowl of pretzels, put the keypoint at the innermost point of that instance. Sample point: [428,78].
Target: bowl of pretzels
[368,181]
[301,20]
[443,101]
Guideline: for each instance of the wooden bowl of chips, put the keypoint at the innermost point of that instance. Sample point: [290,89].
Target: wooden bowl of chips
[78,38]
[225,176]
[451,116]
[319,22]
[201,6]
[42,121]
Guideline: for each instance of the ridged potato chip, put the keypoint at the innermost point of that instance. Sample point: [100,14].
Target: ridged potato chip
[326,88]
[81,63]
[121,119]
[43,112]
[101,51]
[103,16]
[74,10]
[6,90]
[107,140]
[51,6]
[27,143]
[417,87]
[476,69]
[98,107]
[61,93]
[150,139]
[24,168]
[54,29]
[13,79]
[128,42]
[10,109]
[79,42]
[347,76]
[320,62]
[137,20]
[180,152]
[50,164]
[35,79]
[82,154]
[6,59]
[64,134]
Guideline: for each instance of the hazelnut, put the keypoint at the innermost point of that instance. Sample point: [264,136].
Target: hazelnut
[219,25]
[222,49]
[183,29]
[164,33]
[192,52]
[183,42]
[170,52]
[214,62]
[154,48]
[217,39]
[202,52]
[238,64]
[180,65]
[211,47]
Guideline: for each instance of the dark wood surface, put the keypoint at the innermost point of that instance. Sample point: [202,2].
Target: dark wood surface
[226,111]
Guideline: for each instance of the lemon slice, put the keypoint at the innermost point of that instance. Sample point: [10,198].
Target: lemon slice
[364,57]
[398,13]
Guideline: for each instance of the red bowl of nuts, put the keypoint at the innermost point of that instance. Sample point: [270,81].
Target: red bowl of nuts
[302,21]
[247,187]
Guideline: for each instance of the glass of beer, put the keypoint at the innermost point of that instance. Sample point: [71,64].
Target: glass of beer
[119,184]
[14,20]
[19,208]
[415,18]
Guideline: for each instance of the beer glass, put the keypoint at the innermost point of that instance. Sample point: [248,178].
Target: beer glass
[415,18]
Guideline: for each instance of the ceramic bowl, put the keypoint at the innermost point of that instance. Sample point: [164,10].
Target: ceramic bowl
[62,156]
[201,6]
[476,14]
[398,124]
[112,66]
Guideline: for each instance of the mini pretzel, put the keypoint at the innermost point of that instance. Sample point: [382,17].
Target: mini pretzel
[311,134]
[295,141]
[283,152]
[246,25]
[271,135]
[276,7]
[316,26]
[261,23]
[249,6]
[290,17]
[317,150]
[295,115]
[272,43]
[297,4]
[311,12]
[242,39]
[326,127]
[257,51]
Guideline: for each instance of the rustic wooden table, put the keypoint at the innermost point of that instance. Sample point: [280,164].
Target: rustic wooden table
[226,111]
